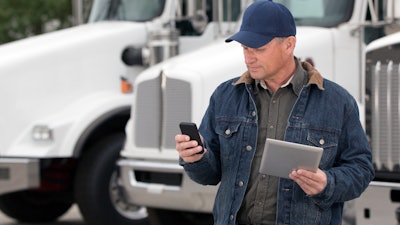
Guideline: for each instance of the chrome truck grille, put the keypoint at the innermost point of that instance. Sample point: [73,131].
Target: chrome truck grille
[385,116]
[383,110]
[162,103]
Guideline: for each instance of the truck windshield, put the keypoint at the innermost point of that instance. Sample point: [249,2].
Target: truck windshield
[322,13]
[126,10]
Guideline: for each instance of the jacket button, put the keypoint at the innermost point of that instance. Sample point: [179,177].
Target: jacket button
[249,148]
[321,141]
[228,132]
[254,113]
[241,183]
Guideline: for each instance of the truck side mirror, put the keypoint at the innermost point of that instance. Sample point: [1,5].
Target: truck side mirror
[199,21]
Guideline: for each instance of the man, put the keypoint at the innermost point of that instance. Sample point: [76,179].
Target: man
[278,97]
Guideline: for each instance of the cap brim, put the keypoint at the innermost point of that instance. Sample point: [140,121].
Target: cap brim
[250,39]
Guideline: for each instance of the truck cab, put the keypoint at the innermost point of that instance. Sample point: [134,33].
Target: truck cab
[332,35]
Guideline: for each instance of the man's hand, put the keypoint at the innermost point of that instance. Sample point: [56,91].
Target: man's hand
[187,149]
[311,183]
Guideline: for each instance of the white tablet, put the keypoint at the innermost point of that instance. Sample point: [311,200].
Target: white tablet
[282,157]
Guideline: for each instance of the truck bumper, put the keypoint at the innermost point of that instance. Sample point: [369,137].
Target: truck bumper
[18,174]
[164,185]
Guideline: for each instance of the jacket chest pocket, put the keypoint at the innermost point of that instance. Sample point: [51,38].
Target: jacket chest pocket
[228,136]
[326,140]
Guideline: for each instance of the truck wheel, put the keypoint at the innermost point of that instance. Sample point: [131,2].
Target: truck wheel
[34,206]
[97,193]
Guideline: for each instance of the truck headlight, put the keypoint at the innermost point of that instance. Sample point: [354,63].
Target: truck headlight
[42,133]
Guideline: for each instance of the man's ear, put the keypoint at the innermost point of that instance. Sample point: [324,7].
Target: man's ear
[290,42]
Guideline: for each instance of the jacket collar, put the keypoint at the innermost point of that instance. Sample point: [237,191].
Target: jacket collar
[314,77]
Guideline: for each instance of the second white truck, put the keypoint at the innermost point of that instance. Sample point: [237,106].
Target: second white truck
[332,35]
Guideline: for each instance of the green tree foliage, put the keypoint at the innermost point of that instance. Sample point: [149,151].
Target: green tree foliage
[24,18]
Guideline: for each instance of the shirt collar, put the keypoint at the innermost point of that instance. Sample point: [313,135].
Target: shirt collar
[264,85]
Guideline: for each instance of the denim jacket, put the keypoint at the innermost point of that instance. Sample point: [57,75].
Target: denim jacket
[324,115]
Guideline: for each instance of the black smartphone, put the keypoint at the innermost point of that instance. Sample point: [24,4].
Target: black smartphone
[191,130]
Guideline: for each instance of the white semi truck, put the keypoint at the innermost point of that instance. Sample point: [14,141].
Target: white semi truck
[66,97]
[332,35]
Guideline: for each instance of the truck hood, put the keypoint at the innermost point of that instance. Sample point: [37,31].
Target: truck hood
[42,75]
[86,35]
[313,43]
[220,61]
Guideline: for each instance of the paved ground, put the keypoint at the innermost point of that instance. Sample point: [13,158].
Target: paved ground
[375,200]
[73,217]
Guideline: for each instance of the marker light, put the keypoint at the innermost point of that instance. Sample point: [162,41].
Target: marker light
[126,86]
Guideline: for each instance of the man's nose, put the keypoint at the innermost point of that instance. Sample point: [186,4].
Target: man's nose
[249,57]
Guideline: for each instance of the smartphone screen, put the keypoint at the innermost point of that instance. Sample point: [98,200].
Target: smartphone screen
[191,130]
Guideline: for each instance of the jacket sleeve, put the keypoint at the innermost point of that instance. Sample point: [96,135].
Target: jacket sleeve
[207,171]
[353,169]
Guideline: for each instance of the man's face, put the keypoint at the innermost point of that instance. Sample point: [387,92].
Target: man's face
[268,62]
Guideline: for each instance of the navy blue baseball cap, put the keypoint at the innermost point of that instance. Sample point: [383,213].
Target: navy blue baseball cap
[263,21]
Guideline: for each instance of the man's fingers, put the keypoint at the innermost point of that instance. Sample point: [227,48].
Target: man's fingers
[187,149]
[311,183]
[190,155]
[183,142]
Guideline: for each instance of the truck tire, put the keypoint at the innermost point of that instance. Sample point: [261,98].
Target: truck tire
[96,191]
[34,206]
